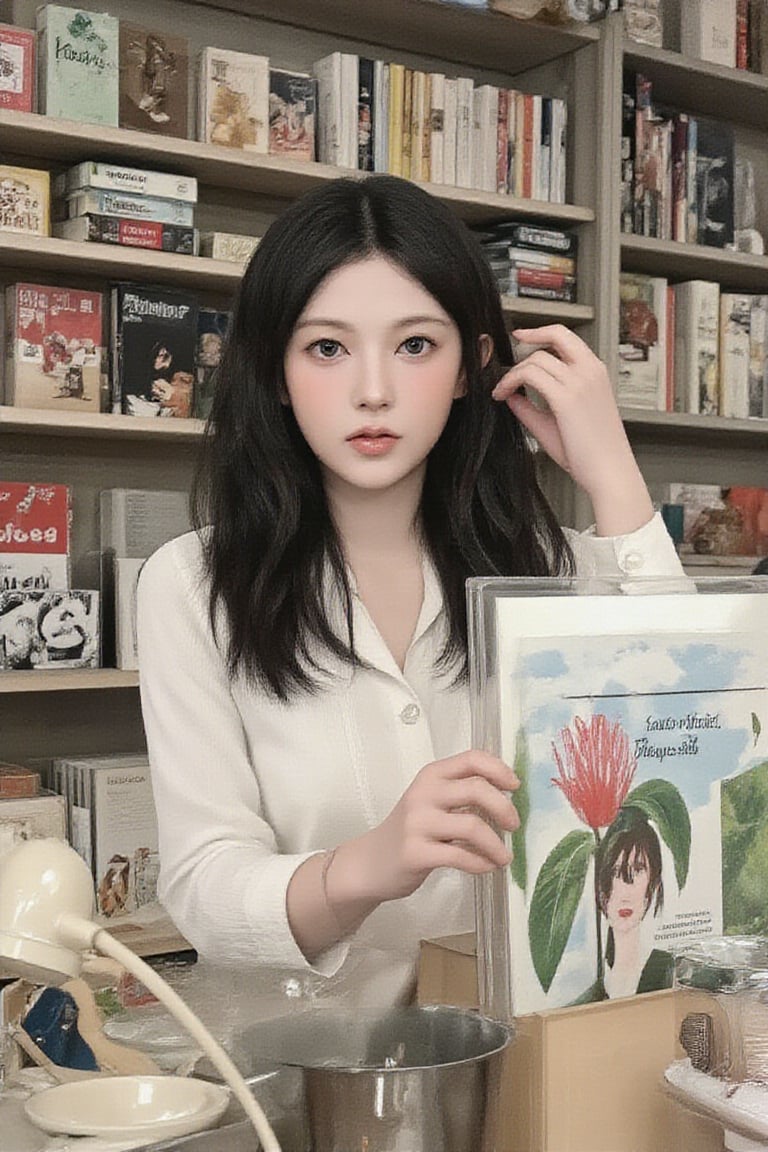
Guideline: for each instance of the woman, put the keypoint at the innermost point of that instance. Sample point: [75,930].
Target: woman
[303,655]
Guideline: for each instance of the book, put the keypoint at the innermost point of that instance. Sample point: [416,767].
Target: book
[154,333]
[153,81]
[135,522]
[337,112]
[17,68]
[485,115]
[35,522]
[54,348]
[126,572]
[129,233]
[735,315]
[228,246]
[25,197]
[49,629]
[464,107]
[597,700]
[103,202]
[381,89]
[119,178]
[708,30]
[642,341]
[757,400]
[31,818]
[718,520]
[395,125]
[78,64]
[291,114]
[233,99]
[715,182]
[17,782]
[365,125]
[697,352]
[211,331]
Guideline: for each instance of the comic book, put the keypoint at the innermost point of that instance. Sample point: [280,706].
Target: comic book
[154,335]
[233,100]
[154,75]
[34,536]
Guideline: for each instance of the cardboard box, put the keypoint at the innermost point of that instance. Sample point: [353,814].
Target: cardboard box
[584,1079]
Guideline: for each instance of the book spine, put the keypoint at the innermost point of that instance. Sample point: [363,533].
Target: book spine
[502,143]
[528,145]
[669,398]
[545,163]
[690,181]
[130,233]
[758,357]
[138,181]
[437,129]
[426,130]
[464,101]
[417,124]
[380,116]
[534,258]
[450,122]
[329,100]
[104,203]
[406,127]
[734,354]
[742,34]
[365,121]
[396,101]
[350,113]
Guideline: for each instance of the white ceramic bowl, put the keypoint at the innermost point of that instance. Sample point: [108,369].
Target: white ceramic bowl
[127,1107]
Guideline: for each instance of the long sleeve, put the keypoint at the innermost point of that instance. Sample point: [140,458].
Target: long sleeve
[222,876]
[647,552]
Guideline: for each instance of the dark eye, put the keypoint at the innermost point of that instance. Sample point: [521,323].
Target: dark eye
[415,345]
[327,349]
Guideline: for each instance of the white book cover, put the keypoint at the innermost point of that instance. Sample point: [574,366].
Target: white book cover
[135,522]
[233,100]
[697,351]
[485,106]
[380,116]
[464,105]
[735,312]
[449,140]
[758,357]
[708,30]
[437,128]
[125,841]
[32,818]
[337,95]
[127,572]
[557,164]
[49,630]
[642,341]
[633,723]
[418,118]
[536,188]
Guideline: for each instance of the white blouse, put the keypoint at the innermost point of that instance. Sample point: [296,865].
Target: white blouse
[247,787]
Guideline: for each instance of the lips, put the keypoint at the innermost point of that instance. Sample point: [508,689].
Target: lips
[373,441]
[625,913]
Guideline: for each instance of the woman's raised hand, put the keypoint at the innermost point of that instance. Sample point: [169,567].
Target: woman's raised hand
[441,821]
[582,431]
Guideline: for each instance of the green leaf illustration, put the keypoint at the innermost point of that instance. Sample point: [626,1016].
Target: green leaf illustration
[519,866]
[662,803]
[559,887]
[756,727]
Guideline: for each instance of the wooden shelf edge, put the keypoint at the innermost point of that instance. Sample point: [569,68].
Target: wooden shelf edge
[690,421]
[67,680]
[98,424]
[34,135]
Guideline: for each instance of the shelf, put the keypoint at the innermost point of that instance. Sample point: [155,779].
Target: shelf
[734,270]
[39,137]
[547,311]
[470,37]
[691,426]
[36,254]
[45,422]
[67,680]
[696,560]
[700,87]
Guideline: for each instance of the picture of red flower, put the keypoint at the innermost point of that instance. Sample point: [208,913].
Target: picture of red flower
[595,769]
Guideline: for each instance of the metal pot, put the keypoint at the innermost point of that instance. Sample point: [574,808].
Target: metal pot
[415,1080]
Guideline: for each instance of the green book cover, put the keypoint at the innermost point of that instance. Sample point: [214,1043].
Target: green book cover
[79,77]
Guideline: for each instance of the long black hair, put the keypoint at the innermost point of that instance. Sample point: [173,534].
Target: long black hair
[270,541]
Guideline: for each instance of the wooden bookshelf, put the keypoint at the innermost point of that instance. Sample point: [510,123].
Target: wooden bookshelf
[67,680]
[691,426]
[677,261]
[41,421]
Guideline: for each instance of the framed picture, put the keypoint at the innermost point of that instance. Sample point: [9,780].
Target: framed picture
[635,716]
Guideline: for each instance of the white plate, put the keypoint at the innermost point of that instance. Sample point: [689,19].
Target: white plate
[126,1107]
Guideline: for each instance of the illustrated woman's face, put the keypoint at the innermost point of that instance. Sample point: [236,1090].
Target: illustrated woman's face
[628,901]
[64,625]
[372,369]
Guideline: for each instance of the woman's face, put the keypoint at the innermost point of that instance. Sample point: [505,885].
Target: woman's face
[372,369]
[628,901]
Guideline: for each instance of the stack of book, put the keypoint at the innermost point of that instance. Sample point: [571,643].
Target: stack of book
[28,812]
[113,826]
[691,347]
[43,622]
[530,260]
[112,204]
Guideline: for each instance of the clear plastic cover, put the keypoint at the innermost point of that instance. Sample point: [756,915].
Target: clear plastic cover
[635,714]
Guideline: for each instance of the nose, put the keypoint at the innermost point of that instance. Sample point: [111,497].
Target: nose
[373,390]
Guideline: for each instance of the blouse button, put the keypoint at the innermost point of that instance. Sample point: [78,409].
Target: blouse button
[410,714]
[633,561]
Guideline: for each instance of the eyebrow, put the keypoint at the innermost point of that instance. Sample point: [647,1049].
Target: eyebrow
[406,322]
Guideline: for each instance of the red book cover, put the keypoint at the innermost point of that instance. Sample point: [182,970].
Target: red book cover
[527,146]
[742,34]
[55,347]
[17,68]
[502,143]
[34,518]
[34,537]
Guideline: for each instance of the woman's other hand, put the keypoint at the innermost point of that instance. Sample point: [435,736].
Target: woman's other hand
[582,431]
